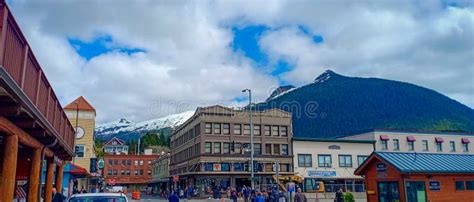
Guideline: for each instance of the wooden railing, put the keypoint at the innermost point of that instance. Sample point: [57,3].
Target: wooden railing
[19,61]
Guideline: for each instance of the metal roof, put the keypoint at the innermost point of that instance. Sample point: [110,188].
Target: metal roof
[331,140]
[429,162]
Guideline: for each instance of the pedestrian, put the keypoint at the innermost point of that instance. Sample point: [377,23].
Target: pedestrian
[233,195]
[215,192]
[260,197]
[339,196]
[246,193]
[173,197]
[299,196]
[57,197]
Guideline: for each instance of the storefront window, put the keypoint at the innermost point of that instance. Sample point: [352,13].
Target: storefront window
[460,185]
[208,167]
[225,167]
[238,167]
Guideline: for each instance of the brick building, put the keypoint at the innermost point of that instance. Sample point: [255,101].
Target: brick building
[397,176]
[132,171]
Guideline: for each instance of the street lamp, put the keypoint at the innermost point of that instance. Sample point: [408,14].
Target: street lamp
[251,138]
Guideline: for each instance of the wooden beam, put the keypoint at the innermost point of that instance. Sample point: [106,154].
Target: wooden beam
[24,122]
[11,109]
[33,180]
[3,35]
[59,178]
[49,180]
[10,155]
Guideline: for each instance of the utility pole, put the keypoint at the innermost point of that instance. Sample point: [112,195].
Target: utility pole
[252,173]
[277,170]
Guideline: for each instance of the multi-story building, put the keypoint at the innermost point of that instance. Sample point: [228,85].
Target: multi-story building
[331,161]
[420,142]
[132,171]
[161,174]
[116,146]
[211,148]
[82,115]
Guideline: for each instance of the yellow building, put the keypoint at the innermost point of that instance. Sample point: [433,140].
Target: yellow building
[82,115]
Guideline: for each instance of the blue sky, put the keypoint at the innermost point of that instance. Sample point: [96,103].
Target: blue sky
[98,46]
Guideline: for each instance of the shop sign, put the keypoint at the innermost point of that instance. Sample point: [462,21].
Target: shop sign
[435,185]
[111,181]
[101,163]
[381,169]
[216,167]
[314,173]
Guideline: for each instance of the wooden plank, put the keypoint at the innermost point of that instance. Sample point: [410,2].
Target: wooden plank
[11,109]
[10,155]
[49,180]
[59,178]
[3,35]
[33,180]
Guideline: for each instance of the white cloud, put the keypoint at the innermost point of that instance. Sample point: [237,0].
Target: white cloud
[189,62]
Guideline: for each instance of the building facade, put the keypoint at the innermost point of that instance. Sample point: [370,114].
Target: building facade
[132,171]
[161,174]
[331,161]
[420,142]
[212,147]
[82,115]
[409,176]
[115,146]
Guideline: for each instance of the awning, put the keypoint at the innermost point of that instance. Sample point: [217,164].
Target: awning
[384,137]
[465,140]
[411,138]
[77,170]
[439,139]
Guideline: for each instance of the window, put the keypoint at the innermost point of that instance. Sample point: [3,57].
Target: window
[226,148]
[238,167]
[384,145]
[149,172]
[284,149]
[225,167]
[115,172]
[237,148]
[208,128]
[256,130]
[396,145]
[237,129]
[411,146]
[109,172]
[226,128]
[141,172]
[115,162]
[361,159]
[470,185]
[123,162]
[208,148]
[258,149]
[439,146]
[452,146]
[268,148]
[141,162]
[129,162]
[465,147]
[217,147]
[111,162]
[217,128]
[128,172]
[136,162]
[324,160]
[275,131]
[276,149]
[267,130]
[135,172]
[459,185]
[79,151]
[304,160]
[425,145]
[149,162]
[122,172]
[345,161]
[246,129]
[284,131]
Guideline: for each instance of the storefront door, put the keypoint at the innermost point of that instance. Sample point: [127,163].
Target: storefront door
[388,192]
[415,191]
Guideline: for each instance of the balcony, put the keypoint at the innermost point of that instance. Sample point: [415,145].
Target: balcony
[27,99]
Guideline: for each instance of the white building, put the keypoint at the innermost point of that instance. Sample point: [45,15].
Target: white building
[116,146]
[332,161]
[427,142]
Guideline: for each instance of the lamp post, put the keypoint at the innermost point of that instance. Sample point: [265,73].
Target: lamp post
[252,173]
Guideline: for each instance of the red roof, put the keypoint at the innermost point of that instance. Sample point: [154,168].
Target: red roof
[81,104]
[78,170]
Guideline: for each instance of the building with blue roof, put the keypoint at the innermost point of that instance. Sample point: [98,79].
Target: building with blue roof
[410,176]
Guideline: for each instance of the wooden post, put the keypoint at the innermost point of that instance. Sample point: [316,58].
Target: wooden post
[34,180]
[59,178]
[10,156]
[49,180]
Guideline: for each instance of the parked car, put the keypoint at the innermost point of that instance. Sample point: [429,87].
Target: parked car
[99,197]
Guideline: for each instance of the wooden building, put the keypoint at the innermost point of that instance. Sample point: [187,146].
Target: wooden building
[406,177]
[33,124]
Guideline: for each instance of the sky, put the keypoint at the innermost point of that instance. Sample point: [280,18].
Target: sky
[141,60]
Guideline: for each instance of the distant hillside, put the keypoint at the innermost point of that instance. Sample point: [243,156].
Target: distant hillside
[128,130]
[336,106]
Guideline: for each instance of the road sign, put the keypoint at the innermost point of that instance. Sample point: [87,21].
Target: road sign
[175,178]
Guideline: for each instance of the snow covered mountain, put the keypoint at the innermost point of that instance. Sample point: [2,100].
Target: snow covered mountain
[128,130]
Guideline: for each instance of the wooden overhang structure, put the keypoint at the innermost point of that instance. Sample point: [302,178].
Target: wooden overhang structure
[33,125]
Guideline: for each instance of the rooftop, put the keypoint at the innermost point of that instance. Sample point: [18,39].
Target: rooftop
[81,104]
[425,162]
